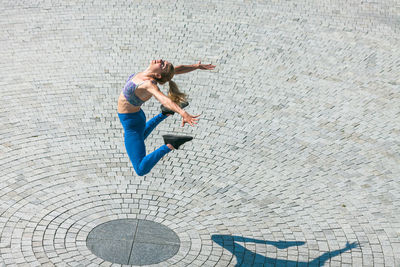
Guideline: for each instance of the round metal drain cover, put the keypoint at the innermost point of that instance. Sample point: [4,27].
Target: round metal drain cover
[133,241]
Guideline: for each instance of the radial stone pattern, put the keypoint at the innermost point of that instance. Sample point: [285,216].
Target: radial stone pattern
[294,162]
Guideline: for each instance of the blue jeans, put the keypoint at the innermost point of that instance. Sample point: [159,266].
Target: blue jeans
[136,131]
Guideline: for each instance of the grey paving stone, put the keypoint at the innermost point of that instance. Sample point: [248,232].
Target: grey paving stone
[157,239]
[151,232]
[115,251]
[150,253]
[115,230]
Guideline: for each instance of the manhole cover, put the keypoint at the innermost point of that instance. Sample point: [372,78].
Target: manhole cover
[132,241]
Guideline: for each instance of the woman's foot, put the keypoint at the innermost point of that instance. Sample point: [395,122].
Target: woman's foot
[175,140]
[166,111]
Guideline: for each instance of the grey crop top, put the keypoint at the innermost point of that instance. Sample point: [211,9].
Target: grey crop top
[129,92]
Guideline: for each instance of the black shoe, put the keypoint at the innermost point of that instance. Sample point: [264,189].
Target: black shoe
[175,140]
[165,111]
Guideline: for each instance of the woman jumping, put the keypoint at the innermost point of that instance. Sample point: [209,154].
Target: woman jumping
[138,89]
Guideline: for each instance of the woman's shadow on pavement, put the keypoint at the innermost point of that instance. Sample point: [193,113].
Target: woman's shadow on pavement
[246,257]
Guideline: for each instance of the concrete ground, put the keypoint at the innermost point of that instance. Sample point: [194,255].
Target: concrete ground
[295,161]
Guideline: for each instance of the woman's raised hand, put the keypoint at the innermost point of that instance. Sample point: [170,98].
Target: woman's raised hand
[187,118]
[200,66]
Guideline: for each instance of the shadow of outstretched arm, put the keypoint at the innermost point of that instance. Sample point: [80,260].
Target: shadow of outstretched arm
[327,255]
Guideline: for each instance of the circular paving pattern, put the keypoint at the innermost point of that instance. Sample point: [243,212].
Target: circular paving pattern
[131,241]
[294,161]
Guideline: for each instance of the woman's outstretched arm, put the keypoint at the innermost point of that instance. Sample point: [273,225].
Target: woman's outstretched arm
[188,68]
[168,103]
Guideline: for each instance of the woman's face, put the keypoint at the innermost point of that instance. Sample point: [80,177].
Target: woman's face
[159,65]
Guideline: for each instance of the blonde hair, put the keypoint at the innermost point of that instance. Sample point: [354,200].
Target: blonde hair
[173,93]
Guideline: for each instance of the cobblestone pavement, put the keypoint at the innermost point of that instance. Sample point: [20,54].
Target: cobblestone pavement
[296,153]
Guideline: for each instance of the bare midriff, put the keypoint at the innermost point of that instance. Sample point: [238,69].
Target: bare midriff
[124,106]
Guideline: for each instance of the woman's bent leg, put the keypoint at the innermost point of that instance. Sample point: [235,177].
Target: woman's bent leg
[151,160]
[135,147]
[136,150]
[151,124]
[136,130]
